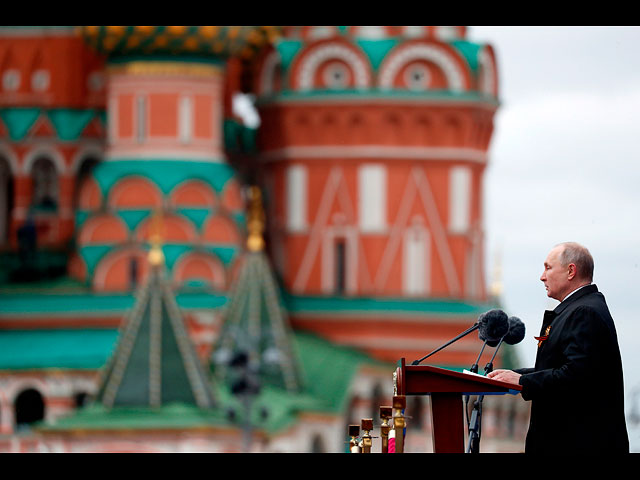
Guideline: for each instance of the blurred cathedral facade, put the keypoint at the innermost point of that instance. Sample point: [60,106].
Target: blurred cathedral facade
[175,278]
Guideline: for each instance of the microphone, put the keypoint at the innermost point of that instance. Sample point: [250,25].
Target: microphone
[512,337]
[492,325]
[516,331]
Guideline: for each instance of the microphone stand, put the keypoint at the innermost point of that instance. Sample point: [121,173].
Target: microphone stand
[476,416]
[474,367]
[489,366]
[467,331]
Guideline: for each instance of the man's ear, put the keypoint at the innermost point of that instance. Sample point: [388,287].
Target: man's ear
[572,271]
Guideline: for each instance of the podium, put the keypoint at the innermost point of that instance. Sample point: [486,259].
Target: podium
[446,388]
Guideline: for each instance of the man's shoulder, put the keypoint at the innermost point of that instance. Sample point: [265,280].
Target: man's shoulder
[592,309]
[593,300]
[588,296]
[591,303]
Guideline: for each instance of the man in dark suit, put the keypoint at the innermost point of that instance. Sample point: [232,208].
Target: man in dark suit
[576,387]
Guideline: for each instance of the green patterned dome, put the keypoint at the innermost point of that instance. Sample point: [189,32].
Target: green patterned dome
[217,40]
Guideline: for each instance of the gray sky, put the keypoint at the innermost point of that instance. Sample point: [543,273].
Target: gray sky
[565,166]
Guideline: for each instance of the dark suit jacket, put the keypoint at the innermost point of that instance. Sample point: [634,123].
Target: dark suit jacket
[576,388]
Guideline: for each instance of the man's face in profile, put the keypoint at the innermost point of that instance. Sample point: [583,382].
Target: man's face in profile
[555,276]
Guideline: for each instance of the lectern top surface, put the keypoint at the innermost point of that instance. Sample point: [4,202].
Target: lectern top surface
[427,379]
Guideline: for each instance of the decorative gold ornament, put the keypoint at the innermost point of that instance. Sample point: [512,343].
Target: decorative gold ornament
[156,257]
[165,68]
[256,220]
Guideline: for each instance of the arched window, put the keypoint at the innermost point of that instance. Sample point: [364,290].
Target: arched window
[29,408]
[340,271]
[6,200]
[45,184]
[81,399]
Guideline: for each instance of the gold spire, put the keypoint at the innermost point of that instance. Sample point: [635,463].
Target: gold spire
[156,257]
[255,223]
[496,281]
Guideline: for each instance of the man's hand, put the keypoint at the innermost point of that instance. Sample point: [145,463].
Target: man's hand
[508,376]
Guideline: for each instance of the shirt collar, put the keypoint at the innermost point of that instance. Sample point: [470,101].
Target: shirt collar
[575,291]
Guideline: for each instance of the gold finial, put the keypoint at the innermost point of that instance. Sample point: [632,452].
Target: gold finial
[386,414]
[156,257]
[255,223]
[354,444]
[496,281]
[367,426]
[399,423]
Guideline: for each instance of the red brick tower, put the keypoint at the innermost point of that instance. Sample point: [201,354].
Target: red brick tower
[373,143]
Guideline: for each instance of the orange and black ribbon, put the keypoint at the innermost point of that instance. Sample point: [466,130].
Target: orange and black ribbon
[544,337]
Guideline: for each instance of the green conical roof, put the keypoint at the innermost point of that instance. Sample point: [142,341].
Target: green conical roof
[256,325]
[154,363]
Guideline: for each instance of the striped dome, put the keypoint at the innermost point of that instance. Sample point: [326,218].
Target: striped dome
[216,40]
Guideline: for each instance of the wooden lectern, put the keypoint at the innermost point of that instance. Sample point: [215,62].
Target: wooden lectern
[446,388]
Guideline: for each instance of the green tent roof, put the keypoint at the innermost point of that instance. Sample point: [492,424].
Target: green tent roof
[155,363]
[256,324]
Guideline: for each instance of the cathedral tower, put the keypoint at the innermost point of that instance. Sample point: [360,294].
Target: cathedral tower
[166,104]
[373,144]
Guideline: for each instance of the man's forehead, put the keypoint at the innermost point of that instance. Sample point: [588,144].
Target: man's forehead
[553,254]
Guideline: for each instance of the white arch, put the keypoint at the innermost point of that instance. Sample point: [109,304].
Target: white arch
[267,75]
[90,151]
[44,151]
[21,385]
[318,55]
[6,414]
[487,76]
[433,53]
[11,158]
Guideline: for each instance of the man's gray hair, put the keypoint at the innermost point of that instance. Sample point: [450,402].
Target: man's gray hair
[578,255]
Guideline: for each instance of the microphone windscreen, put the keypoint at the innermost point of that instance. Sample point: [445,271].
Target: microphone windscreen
[493,325]
[516,331]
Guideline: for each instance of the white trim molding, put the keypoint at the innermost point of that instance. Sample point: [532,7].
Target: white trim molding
[377,151]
